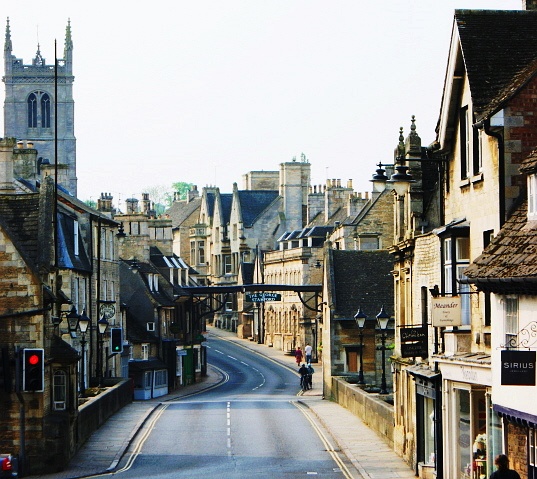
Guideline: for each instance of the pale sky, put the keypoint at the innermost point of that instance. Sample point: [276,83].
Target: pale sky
[207,90]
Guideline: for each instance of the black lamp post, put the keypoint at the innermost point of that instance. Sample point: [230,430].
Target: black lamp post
[314,336]
[382,323]
[360,318]
[102,324]
[83,324]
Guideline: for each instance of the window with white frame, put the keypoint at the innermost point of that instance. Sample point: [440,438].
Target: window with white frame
[201,252]
[456,260]
[75,237]
[145,351]
[59,390]
[532,196]
[228,268]
[510,311]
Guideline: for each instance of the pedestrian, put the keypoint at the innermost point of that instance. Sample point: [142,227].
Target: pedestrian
[307,352]
[298,355]
[503,472]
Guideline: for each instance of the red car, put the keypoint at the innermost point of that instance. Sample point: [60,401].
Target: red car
[8,466]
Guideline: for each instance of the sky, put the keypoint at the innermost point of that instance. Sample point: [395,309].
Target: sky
[204,91]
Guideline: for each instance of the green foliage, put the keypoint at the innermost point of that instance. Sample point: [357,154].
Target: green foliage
[182,188]
[91,203]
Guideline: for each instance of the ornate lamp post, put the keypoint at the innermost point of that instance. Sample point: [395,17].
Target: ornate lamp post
[360,318]
[382,323]
[314,336]
[102,324]
[83,324]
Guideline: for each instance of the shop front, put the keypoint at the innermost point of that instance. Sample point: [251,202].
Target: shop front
[471,428]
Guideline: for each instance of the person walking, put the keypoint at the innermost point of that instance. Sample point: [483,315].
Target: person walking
[298,355]
[307,352]
[503,472]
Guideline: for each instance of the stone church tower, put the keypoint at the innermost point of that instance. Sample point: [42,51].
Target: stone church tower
[38,100]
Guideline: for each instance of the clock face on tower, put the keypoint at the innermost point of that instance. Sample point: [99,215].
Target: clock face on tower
[107,310]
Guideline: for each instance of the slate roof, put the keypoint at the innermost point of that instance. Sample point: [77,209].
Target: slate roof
[226,199]
[254,202]
[508,265]
[180,211]
[499,48]
[361,279]
[62,352]
[66,252]
[210,204]
[19,215]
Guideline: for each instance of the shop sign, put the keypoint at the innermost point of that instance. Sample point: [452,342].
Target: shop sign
[414,350]
[262,297]
[518,368]
[446,311]
[413,342]
[413,334]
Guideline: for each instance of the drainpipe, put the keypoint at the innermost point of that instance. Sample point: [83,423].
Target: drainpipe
[485,125]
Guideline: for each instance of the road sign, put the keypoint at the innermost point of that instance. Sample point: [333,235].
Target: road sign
[263,296]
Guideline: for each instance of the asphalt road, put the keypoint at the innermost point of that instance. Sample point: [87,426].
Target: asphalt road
[250,426]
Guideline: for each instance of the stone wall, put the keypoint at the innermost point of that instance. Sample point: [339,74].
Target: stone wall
[376,413]
[96,411]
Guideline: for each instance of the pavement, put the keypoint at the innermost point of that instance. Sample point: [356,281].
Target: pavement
[367,451]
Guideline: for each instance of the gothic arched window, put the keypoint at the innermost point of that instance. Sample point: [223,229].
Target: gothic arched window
[45,111]
[39,110]
[32,111]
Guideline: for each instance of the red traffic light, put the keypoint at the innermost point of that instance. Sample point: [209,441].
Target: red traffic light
[33,359]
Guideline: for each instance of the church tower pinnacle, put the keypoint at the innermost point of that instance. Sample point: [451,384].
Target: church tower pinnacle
[31,110]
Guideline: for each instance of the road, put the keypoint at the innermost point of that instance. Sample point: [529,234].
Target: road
[251,426]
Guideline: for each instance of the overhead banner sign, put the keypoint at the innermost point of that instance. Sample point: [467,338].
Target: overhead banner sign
[518,368]
[262,297]
[446,311]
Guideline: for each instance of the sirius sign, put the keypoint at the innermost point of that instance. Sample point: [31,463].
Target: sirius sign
[518,368]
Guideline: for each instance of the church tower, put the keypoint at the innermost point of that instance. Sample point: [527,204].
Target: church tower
[37,99]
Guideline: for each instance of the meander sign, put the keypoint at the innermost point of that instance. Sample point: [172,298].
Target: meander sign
[446,311]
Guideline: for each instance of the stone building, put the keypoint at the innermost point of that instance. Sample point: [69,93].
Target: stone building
[448,414]
[59,263]
[164,327]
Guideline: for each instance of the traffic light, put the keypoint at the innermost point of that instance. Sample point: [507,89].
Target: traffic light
[116,338]
[33,369]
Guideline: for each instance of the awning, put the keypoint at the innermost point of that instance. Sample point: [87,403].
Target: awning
[517,417]
[423,371]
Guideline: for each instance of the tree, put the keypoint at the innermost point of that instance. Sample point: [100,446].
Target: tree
[182,188]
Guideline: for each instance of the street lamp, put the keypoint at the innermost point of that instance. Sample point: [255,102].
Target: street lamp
[72,321]
[314,335]
[360,318]
[102,325]
[83,324]
[382,324]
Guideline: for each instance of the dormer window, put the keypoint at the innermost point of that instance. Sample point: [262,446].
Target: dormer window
[532,196]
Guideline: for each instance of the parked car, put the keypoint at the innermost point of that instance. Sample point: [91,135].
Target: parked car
[8,466]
